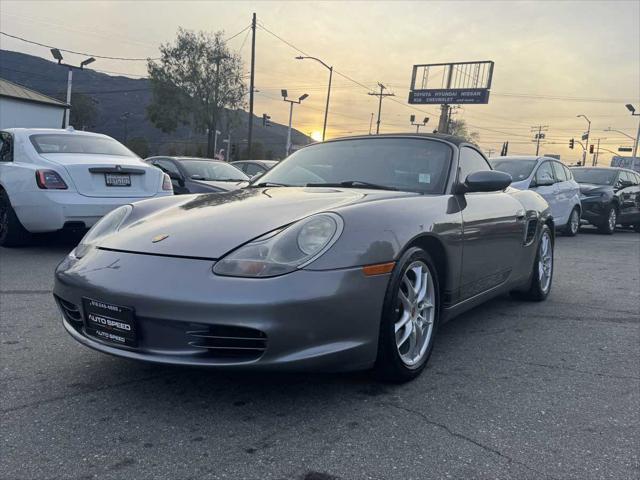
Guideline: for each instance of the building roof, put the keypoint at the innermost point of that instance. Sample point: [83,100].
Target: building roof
[13,90]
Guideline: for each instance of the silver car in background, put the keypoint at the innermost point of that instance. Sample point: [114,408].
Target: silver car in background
[552,180]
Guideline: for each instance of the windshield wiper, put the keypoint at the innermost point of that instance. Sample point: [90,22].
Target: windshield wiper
[353,184]
[269,184]
[230,180]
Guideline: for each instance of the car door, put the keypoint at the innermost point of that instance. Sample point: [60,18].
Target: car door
[544,183]
[627,194]
[493,231]
[564,191]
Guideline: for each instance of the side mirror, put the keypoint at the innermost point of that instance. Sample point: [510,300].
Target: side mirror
[486,181]
[624,184]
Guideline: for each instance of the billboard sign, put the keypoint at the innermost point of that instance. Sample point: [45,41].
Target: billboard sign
[458,95]
[451,83]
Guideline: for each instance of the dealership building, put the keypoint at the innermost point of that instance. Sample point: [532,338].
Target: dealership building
[23,107]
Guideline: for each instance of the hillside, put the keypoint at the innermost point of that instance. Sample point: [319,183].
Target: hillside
[116,95]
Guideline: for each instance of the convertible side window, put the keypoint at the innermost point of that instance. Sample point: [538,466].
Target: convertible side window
[6,147]
[253,169]
[471,161]
[544,175]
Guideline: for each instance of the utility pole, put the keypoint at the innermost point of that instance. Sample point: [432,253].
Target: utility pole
[214,121]
[370,123]
[215,143]
[381,95]
[540,129]
[228,145]
[251,83]
[595,157]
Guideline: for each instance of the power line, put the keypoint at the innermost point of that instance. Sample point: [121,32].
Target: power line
[78,53]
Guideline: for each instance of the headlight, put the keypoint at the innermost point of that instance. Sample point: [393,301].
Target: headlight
[285,250]
[107,225]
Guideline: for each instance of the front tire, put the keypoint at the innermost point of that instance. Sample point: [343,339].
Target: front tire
[608,225]
[542,274]
[410,318]
[573,224]
[12,233]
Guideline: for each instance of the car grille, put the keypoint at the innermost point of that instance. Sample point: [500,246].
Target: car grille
[239,343]
[70,311]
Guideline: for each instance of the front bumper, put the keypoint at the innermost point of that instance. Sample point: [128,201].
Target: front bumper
[48,211]
[594,209]
[320,320]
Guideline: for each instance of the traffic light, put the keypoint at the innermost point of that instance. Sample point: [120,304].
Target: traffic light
[591,148]
[266,120]
[412,118]
[572,143]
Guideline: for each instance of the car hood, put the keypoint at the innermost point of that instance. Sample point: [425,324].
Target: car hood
[210,225]
[226,186]
[590,188]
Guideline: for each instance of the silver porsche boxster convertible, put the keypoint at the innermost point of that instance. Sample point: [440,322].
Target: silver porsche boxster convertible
[347,255]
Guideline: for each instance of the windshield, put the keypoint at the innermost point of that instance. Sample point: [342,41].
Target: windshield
[596,176]
[66,143]
[415,165]
[518,169]
[209,170]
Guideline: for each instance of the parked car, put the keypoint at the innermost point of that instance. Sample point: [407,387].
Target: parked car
[610,197]
[552,180]
[348,255]
[254,167]
[200,175]
[53,179]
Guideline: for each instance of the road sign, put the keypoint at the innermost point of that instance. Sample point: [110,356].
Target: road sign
[625,149]
[451,83]
[585,136]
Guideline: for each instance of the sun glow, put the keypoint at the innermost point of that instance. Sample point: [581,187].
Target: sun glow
[316,135]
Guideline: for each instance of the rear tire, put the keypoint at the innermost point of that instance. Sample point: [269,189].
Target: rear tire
[542,274]
[573,224]
[608,225]
[410,317]
[12,233]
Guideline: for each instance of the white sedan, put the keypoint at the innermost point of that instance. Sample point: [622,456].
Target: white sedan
[550,179]
[53,179]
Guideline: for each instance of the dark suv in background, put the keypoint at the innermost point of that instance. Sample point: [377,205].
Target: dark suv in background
[610,197]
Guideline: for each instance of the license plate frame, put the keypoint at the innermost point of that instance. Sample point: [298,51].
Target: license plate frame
[113,324]
[117,179]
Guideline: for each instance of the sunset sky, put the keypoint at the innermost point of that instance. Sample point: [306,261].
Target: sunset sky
[553,60]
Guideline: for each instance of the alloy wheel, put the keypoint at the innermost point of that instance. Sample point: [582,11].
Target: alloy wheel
[414,327]
[545,262]
[575,222]
[612,219]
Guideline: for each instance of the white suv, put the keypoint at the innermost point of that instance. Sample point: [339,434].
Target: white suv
[53,179]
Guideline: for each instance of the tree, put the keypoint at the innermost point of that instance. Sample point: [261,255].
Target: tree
[83,111]
[460,129]
[139,146]
[194,80]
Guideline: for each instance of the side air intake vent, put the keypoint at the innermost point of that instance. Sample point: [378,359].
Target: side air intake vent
[71,312]
[238,343]
[530,234]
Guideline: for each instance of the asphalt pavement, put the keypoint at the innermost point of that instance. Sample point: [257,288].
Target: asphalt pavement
[514,390]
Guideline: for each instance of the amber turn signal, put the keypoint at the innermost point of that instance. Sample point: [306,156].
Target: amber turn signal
[378,268]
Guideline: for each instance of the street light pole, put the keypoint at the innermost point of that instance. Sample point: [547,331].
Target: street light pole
[326,108]
[58,56]
[586,140]
[632,109]
[291,102]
